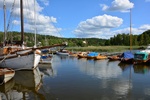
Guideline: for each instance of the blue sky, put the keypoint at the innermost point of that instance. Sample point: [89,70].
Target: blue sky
[80,18]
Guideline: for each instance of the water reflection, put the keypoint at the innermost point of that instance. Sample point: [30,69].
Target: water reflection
[99,69]
[141,69]
[125,66]
[47,70]
[24,85]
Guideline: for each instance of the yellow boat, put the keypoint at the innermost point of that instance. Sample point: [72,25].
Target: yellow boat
[100,57]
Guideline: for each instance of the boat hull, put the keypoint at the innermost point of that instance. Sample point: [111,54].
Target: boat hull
[28,60]
[6,74]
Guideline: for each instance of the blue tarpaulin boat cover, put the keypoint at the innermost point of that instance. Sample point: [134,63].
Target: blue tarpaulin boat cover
[44,57]
[93,54]
[128,55]
[45,51]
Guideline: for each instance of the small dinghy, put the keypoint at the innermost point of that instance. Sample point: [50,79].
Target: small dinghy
[6,74]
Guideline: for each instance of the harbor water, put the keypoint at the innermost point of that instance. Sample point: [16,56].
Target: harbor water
[70,78]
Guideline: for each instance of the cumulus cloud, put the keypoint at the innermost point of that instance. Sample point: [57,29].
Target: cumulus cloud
[134,31]
[44,24]
[105,26]
[97,26]
[118,5]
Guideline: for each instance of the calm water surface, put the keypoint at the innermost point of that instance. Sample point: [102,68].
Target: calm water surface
[70,78]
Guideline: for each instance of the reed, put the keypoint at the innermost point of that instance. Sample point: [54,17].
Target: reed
[104,48]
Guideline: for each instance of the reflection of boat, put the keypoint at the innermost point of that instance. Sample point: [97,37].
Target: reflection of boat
[141,68]
[28,79]
[46,70]
[4,88]
[6,74]
[27,84]
[124,66]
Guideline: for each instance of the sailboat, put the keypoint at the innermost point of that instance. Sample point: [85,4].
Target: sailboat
[15,55]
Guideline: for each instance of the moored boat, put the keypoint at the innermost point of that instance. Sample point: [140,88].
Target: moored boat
[63,53]
[46,59]
[127,57]
[82,55]
[6,74]
[100,57]
[143,56]
[92,55]
[114,57]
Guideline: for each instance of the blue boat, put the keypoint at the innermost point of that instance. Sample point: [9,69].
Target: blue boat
[127,57]
[92,55]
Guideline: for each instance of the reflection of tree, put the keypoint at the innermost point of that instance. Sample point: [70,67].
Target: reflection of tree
[100,69]
[141,68]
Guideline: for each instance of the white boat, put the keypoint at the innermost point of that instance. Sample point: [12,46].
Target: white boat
[46,59]
[147,49]
[63,52]
[6,74]
[13,54]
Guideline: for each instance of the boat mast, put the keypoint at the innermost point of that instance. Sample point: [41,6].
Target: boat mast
[130,32]
[4,7]
[22,21]
[34,25]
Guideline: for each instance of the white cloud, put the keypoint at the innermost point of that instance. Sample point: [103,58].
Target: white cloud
[97,26]
[46,2]
[134,31]
[101,27]
[44,24]
[118,5]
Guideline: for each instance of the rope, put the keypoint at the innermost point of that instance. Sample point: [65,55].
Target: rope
[5,57]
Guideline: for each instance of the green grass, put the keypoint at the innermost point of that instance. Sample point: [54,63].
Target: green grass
[104,48]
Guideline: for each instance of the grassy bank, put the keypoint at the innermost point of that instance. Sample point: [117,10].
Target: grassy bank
[105,48]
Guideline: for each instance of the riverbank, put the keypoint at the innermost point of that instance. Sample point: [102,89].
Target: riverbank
[105,48]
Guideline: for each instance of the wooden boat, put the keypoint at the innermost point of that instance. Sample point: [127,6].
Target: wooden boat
[114,57]
[100,57]
[127,57]
[73,54]
[92,55]
[82,55]
[63,53]
[6,74]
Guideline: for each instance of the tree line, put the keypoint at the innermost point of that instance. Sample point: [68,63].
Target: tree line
[43,40]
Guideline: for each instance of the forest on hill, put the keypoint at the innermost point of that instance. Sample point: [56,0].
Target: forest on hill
[120,39]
